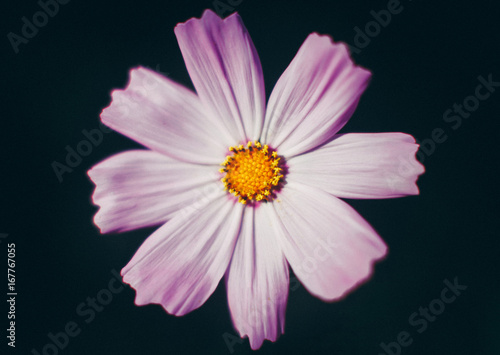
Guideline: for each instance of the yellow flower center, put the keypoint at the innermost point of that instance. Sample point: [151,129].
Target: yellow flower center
[252,173]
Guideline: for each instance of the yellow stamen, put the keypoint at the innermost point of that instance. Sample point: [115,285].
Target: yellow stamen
[252,172]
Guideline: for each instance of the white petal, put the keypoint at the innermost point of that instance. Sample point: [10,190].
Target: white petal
[180,265]
[329,246]
[166,117]
[361,165]
[257,279]
[314,98]
[143,188]
[226,72]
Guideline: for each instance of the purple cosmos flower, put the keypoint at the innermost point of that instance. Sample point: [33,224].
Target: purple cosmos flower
[243,190]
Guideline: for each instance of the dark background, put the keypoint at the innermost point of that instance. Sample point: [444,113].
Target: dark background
[426,59]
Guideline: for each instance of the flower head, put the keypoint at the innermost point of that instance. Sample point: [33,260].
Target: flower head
[246,191]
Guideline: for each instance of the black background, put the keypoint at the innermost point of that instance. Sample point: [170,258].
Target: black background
[427,58]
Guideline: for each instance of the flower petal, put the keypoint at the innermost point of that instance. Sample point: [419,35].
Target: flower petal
[226,72]
[328,245]
[314,97]
[180,265]
[361,165]
[257,279]
[142,188]
[166,117]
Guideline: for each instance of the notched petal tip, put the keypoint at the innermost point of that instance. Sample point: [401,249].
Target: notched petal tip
[131,74]
[117,102]
[411,168]
[418,162]
[327,40]
[207,15]
[257,342]
[93,174]
[140,299]
[417,167]
[92,177]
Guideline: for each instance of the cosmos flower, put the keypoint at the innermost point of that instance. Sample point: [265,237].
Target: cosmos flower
[244,191]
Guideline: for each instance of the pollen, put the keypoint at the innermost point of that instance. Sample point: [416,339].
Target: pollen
[253,172]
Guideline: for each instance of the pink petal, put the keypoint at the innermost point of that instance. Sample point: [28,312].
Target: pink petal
[257,280]
[143,188]
[314,97]
[226,72]
[180,265]
[166,117]
[329,246]
[361,165]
